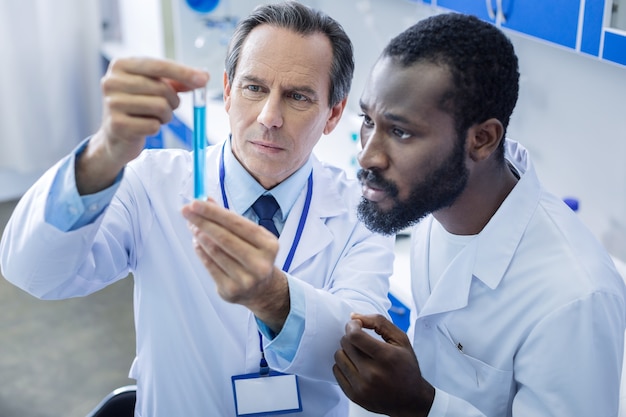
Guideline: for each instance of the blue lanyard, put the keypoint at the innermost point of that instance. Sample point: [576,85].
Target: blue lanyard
[264,367]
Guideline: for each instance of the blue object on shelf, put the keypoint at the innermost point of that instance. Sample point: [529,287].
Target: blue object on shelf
[155,141]
[182,132]
[400,314]
[571,202]
[614,47]
[203,6]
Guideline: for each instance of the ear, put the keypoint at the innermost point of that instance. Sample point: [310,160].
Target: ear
[226,92]
[484,138]
[335,115]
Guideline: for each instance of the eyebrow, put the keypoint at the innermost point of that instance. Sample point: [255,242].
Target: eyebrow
[251,79]
[389,116]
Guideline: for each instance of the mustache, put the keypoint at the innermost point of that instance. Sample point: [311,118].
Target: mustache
[373,179]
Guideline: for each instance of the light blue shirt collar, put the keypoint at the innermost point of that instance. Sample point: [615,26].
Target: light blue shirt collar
[243,190]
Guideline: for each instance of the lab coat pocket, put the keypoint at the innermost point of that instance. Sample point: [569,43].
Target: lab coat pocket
[486,387]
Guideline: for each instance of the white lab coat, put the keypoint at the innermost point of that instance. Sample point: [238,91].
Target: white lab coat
[189,341]
[528,319]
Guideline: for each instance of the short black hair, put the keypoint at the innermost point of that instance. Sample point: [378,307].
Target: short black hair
[306,21]
[480,58]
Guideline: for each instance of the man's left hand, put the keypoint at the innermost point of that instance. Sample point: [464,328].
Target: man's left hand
[239,254]
[381,376]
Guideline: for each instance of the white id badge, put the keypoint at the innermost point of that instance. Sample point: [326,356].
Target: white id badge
[272,394]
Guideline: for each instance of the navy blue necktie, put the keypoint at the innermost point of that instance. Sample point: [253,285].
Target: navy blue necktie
[265,208]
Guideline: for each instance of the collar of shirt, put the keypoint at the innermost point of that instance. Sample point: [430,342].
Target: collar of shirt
[243,190]
[509,223]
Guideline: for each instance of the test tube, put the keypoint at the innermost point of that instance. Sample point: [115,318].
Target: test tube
[199,142]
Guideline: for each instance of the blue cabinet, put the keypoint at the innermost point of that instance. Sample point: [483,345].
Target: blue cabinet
[574,24]
[614,46]
[598,39]
[554,21]
[477,8]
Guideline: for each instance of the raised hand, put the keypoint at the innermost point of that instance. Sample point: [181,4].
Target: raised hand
[381,376]
[139,95]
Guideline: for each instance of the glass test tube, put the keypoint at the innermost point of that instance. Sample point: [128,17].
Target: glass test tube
[199,142]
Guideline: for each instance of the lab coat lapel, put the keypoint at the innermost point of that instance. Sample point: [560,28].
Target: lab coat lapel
[419,263]
[507,227]
[452,289]
[316,235]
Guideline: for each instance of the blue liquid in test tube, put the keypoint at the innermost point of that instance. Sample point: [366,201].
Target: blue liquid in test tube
[199,142]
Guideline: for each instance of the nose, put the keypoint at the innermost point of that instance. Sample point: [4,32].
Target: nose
[271,115]
[373,154]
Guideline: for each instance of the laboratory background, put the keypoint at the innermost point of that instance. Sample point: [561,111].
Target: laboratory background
[61,358]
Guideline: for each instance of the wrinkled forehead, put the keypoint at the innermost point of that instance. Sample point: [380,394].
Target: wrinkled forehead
[275,51]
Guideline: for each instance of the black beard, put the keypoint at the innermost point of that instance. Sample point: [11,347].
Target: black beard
[438,190]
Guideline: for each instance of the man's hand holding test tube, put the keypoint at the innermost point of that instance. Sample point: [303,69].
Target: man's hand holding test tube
[140,95]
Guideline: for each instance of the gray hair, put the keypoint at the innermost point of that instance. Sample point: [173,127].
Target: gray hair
[303,20]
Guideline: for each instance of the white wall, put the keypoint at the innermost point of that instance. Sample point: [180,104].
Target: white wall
[572,117]
[49,85]
[571,113]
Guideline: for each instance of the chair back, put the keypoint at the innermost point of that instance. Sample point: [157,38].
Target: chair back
[118,403]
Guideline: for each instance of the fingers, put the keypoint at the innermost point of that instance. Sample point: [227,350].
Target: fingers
[349,355]
[356,371]
[353,361]
[140,94]
[136,116]
[181,77]
[129,85]
[151,78]
[383,327]
[235,224]
[341,370]
[350,360]
[380,376]
[358,344]
[238,253]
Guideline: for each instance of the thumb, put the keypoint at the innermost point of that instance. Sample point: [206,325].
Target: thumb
[383,327]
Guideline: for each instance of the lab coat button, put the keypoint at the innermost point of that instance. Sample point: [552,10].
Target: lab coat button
[93,207]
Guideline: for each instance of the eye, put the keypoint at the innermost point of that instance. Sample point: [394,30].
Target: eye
[299,97]
[367,121]
[252,91]
[400,133]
